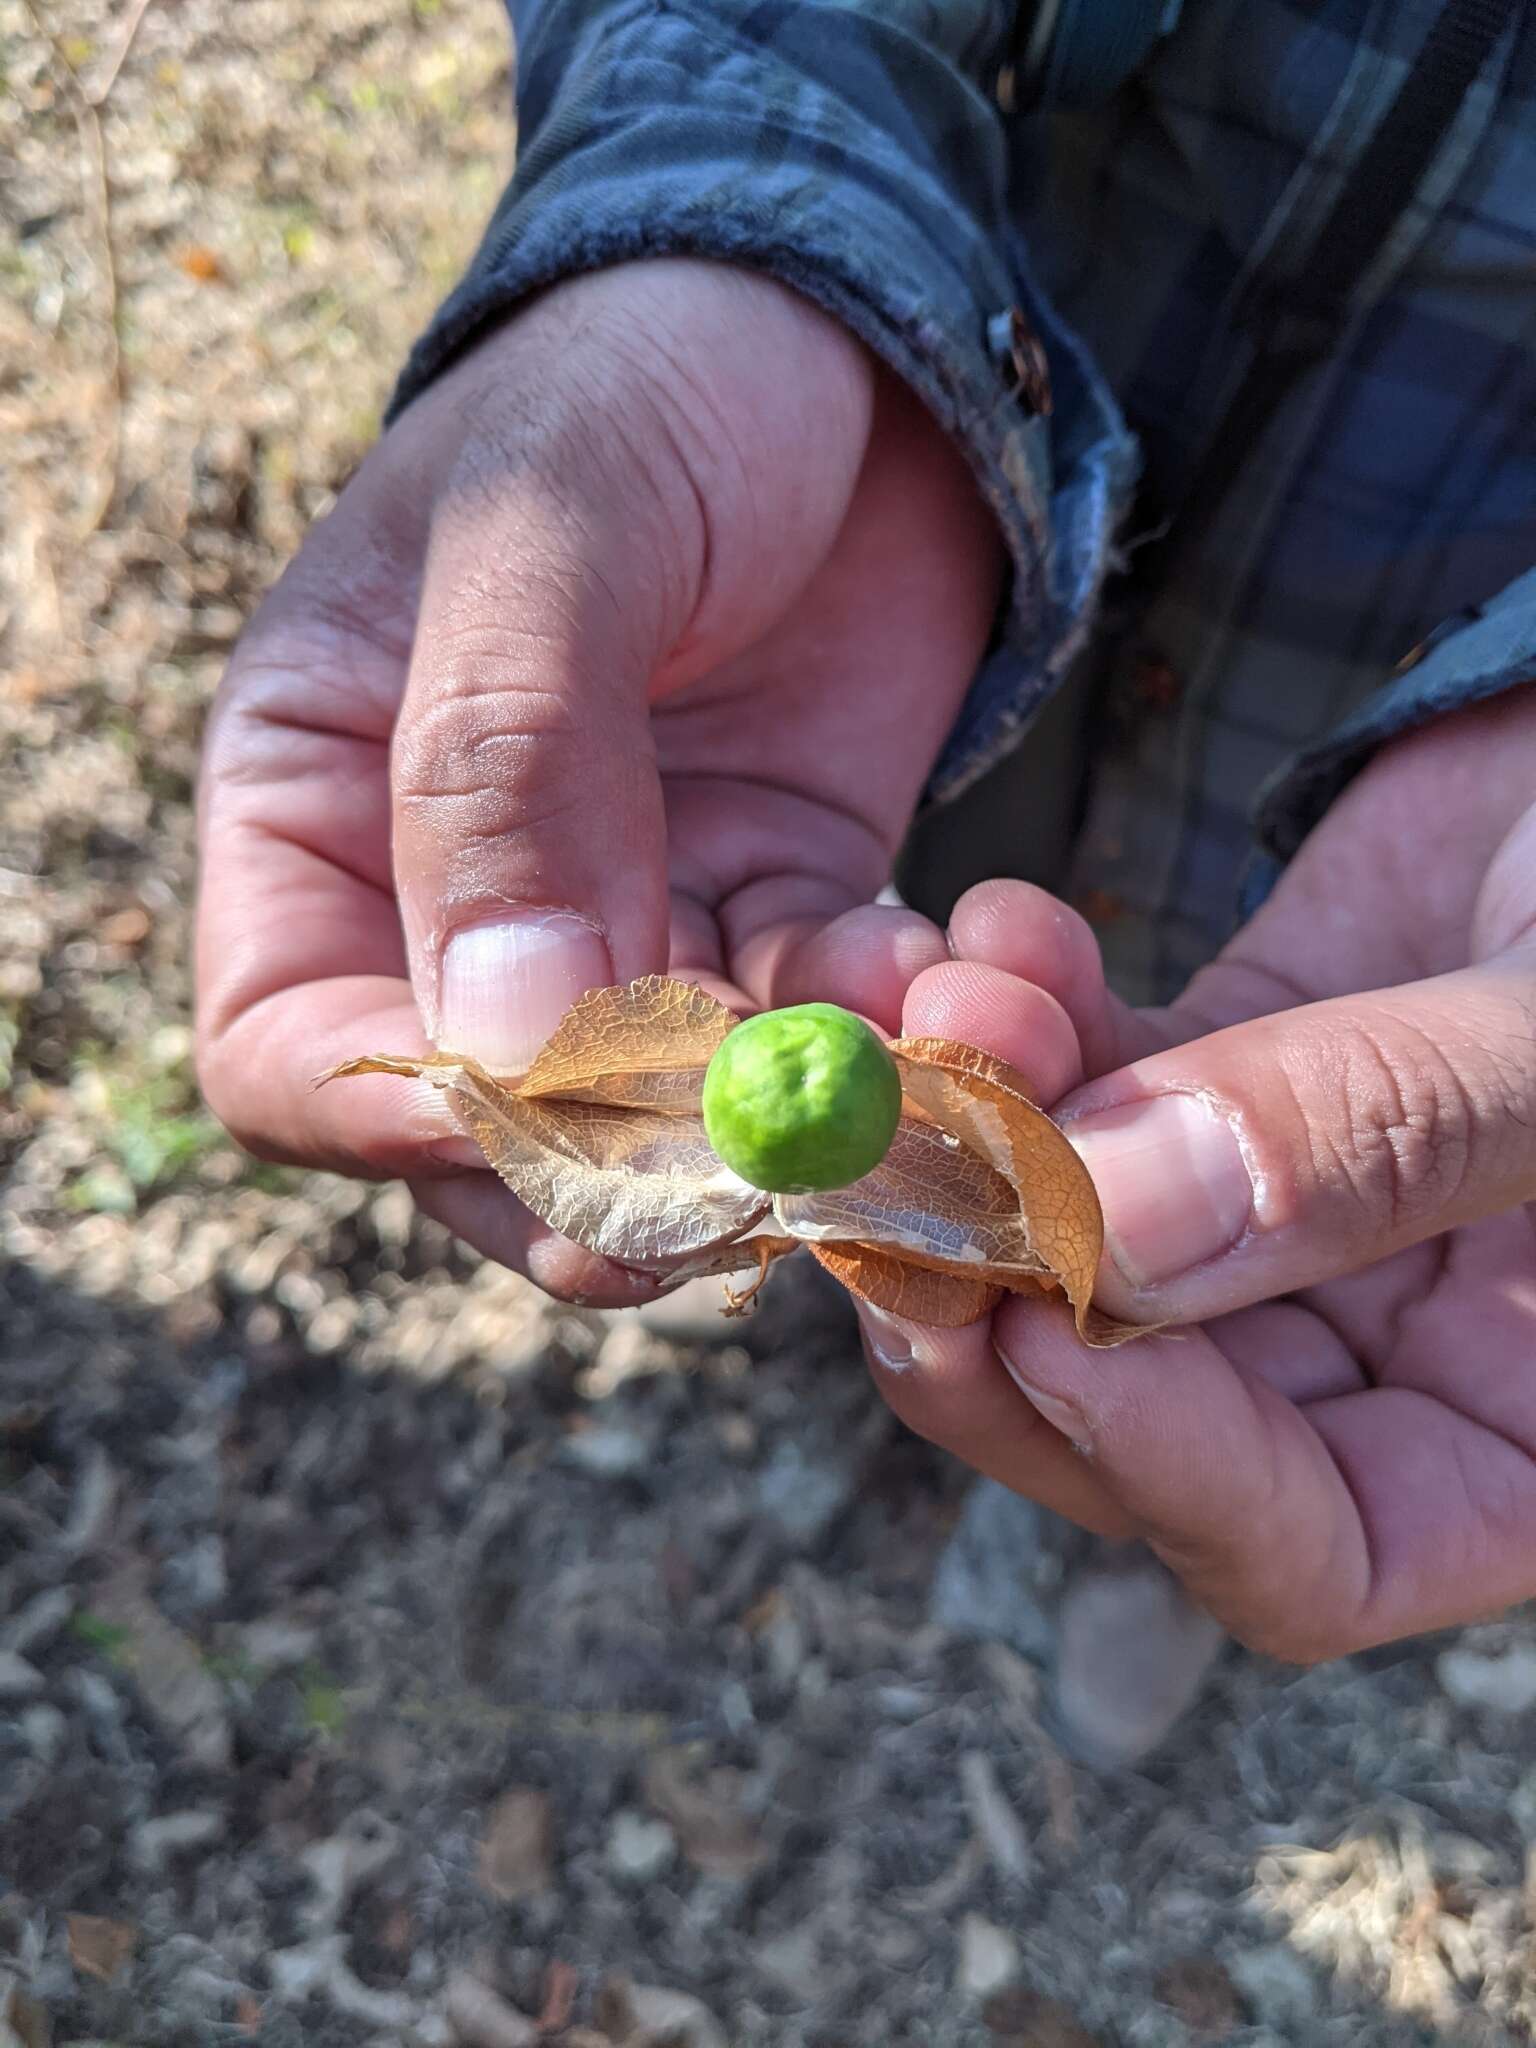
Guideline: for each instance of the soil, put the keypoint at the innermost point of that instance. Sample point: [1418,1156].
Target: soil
[388,1655]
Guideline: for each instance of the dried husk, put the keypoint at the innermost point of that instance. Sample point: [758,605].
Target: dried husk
[604,1139]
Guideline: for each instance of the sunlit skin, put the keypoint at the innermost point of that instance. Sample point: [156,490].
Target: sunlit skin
[661,603]
[686,631]
[1356,1461]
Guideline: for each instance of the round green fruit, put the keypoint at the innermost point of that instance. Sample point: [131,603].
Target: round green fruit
[798,1101]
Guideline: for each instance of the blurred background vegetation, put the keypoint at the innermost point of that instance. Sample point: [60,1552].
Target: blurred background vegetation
[435,1629]
[216,244]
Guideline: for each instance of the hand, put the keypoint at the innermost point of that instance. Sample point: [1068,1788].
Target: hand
[628,649]
[1338,1186]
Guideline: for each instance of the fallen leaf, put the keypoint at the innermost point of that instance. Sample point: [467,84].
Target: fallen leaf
[167,1667]
[23,2022]
[202,264]
[561,1982]
[767,1608]
[480,2018]
[517,1848]
[1199,1990]
[603,1138]
[127,927]
[993,1816]
[1019,2018]
[99,1946]
[399,1930]
[651,2016]
[713,1832]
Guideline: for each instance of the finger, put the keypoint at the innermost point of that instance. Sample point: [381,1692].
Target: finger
[478,1209]
[772,869]
[1289,1348]
[793,770]
[867,960]
[1225,1479]
[950,1387]
[1460,1434]
[1014,1019]
[1309,1532]
[1028,933]
[1284,1151]
[528,831]
[594,547]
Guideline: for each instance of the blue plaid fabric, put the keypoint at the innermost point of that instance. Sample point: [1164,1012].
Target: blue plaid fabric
[1371,565]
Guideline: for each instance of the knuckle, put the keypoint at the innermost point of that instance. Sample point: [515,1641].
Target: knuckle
[1271,1596]
[350,599]
[1258,1603]
[946,1400]
[1410,1126]
[302,668]
[478,667]
[516,747]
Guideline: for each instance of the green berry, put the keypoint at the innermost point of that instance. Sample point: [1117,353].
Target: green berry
[798,1101]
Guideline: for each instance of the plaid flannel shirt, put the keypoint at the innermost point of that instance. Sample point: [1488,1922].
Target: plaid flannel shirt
[1370,565]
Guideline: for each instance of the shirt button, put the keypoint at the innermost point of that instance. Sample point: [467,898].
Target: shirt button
[1020,354]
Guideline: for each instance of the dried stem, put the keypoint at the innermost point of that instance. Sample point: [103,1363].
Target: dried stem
[93,150]
[99,92]
[742,1301]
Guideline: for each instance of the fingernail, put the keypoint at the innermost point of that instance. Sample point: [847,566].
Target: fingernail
[507,985]
[894,1345]
[1173,1184]
[459,1152]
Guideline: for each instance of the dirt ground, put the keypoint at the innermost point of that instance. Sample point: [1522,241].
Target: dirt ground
[386,1655]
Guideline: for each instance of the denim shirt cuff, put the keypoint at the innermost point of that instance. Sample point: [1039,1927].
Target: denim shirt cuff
[1469,658]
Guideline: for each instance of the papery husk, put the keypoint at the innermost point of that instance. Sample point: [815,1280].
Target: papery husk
[903,1287]
[603,1138]
[641,1186]
[647,1050]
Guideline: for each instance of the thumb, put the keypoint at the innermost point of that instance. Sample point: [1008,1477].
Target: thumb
[527,822]
[1288,1149]
[594,544]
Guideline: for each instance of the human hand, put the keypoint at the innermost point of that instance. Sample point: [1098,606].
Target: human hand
[1337,1186]
[627,650]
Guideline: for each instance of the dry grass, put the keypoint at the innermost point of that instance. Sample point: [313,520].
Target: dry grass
[291,190]
[292,185]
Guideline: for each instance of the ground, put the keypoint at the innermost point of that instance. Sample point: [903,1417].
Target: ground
[386,1654]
